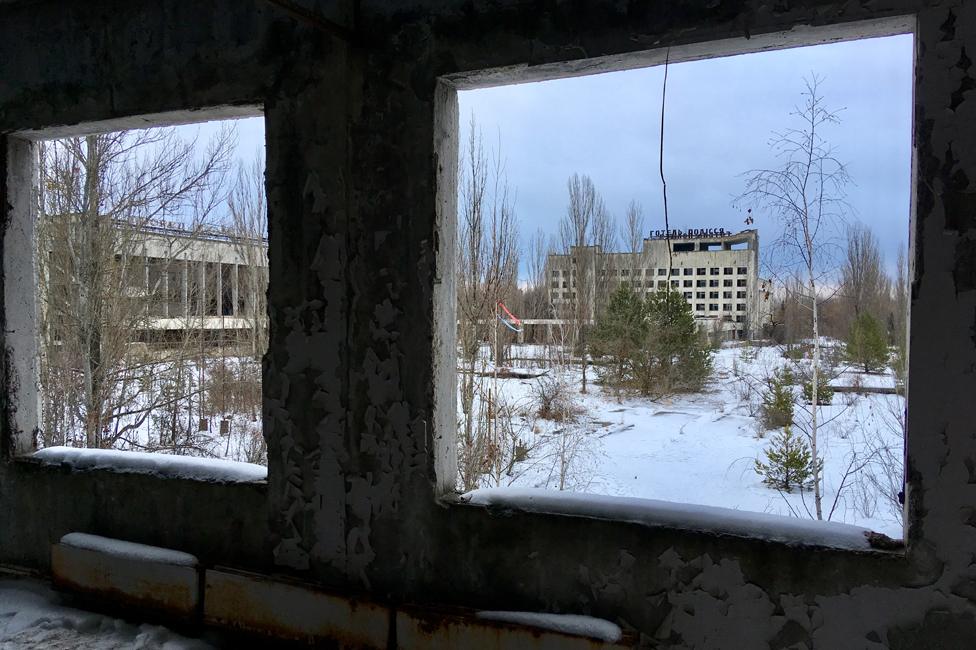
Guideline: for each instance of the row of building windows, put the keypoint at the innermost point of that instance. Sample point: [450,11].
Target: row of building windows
[728,270]
[715,306]
[663,283]
[700,295]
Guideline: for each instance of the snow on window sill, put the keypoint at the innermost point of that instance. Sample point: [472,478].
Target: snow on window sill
[594,628]
[161,465]
[128,550]
[681,516]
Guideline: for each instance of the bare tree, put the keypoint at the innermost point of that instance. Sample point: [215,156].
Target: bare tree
[487,267]
[249,230]
[900,301]
[537,303]
[792,315]
[97,194]
[586,234]
[864,283]
[806,195]
[634,227]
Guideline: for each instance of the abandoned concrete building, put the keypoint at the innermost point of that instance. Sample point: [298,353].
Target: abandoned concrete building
[717,273]
[181,281]
[357,537]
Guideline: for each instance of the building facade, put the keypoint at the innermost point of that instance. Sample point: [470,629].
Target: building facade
[170,281]
[716,271]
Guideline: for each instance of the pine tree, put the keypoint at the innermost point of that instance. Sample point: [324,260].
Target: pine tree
[619,334]
[677,355]
[867,344]
[777,404]
[789,462]
[652,346]
[825,394]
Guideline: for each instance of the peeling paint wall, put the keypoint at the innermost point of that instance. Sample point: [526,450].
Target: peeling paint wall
[358,257]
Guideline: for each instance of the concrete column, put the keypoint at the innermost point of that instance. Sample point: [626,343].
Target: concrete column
[202,291]
[186,288]
[145,282]
[219,295]
[235,288]
[254,306]
[165,279]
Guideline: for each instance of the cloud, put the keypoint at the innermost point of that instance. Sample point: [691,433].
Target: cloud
[719,118]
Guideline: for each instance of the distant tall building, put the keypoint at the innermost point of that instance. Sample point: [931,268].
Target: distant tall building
[716,271]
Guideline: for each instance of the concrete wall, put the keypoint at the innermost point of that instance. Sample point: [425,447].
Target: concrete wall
[360,250]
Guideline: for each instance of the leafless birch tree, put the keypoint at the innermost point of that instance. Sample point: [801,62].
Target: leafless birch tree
[805,193]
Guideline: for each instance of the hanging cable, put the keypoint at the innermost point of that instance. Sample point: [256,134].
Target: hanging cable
[664,183]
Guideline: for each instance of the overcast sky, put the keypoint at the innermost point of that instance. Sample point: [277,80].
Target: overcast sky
[719,118]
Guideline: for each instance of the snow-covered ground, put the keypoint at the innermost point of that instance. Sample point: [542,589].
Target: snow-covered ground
[32,616]
[697,449]
[701,448]
[209,410]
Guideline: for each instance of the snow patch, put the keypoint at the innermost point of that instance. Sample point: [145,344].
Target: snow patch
[701,448]
[652,512]
[166,465]
[31,616]
[128,550]
[595,628]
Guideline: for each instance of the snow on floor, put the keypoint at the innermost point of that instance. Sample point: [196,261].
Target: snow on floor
[189,467]
[701,448]
[32,616]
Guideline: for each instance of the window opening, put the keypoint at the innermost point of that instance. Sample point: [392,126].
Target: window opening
[151,295]
[761,340]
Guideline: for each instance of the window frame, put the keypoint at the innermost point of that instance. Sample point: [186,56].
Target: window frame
[703,49]
[22,422]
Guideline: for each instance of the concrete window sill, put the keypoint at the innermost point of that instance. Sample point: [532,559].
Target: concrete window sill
[683,517]
[166,466]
